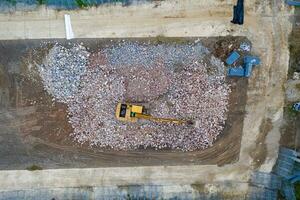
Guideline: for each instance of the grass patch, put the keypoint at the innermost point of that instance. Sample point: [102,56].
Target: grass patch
[294,47]
[82,3]
[41,2]
[200,187]
[160,39]
[297,190]
[128,197]
[13,2]
[290,111]
[34,167]
[298,86]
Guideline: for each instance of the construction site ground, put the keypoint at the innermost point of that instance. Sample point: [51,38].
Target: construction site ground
[44,129]
[235,154]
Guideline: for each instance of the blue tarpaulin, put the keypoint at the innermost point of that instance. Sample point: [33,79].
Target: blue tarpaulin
[244,71]
[252,59]
[293,3]
[236,72]
[248,69]
[233,57]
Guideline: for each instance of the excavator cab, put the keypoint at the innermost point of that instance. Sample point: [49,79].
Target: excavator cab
[127,112]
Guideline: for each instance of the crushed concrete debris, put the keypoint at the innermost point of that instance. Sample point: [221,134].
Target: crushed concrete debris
[62,71]
[292,91]
[245,46]
[132,54]
[180,81]
[296,76]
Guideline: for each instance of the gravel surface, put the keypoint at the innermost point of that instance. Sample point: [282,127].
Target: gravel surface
[179,81]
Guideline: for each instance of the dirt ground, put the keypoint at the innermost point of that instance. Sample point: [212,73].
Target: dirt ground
[36,130]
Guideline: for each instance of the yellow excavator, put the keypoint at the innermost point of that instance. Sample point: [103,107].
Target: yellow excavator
[131,113]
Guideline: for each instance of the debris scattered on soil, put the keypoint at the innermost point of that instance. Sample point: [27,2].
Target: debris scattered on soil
[296,75]
[244,46]
[179,81]
[62,71]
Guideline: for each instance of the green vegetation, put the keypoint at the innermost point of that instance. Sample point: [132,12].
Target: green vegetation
[128,197]
[34,167]
[82,3]
[160,39]
[298,86]
[41,2]
[200,187]
[297,190]
[294,41]
[13,2]
[290,111]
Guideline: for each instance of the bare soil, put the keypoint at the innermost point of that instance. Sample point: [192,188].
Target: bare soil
[35,130]
[290,131]
[260,152]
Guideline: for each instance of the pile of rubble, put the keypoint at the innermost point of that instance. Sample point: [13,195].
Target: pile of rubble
[62,71]
[178,81]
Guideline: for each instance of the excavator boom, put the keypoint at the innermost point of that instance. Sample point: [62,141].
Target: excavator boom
[158,119]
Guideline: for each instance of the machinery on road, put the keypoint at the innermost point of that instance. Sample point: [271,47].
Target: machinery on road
[132,113]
